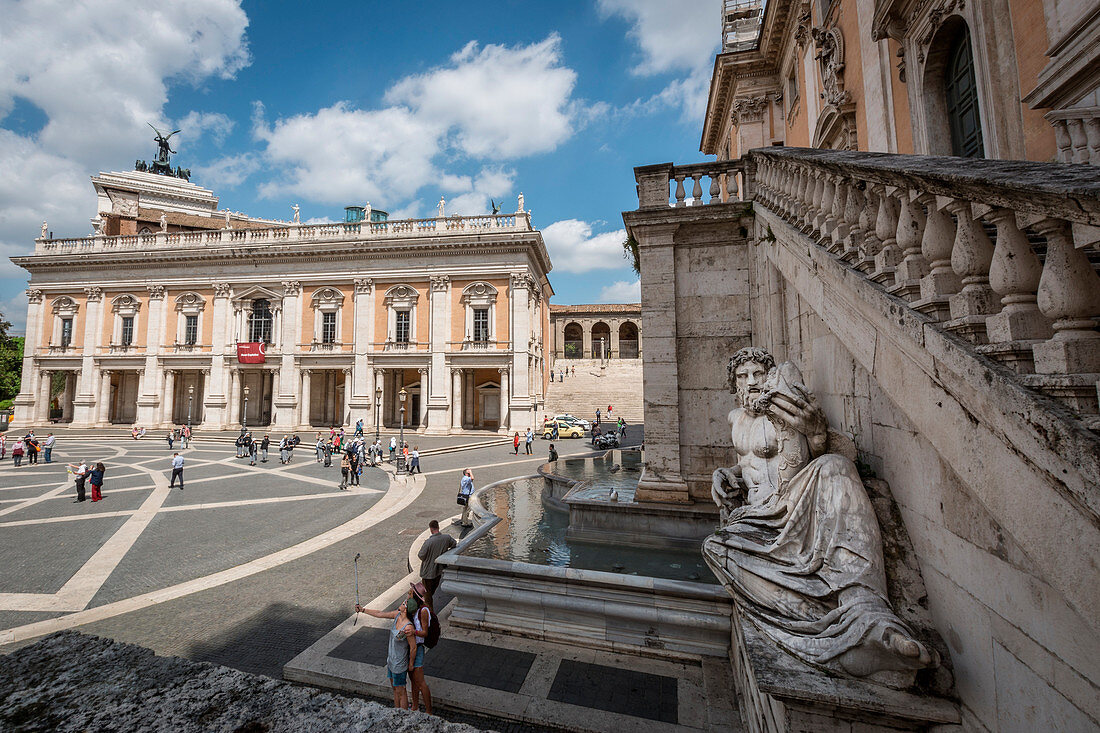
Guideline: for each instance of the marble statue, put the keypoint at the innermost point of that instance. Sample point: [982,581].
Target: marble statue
[163,222]
[519,209]
[297,214]
[440,207]
[227,224]
[44,229]
[799,546]
[367,212]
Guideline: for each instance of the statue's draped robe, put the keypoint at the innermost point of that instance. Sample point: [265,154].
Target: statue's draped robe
[806,565]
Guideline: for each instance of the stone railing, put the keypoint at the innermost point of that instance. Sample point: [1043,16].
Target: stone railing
[292,234]
[56,350]
[725,180]
[323,346]
[1001,253]
[1077,134]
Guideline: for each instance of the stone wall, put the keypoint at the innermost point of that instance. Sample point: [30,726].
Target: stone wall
[1025,657]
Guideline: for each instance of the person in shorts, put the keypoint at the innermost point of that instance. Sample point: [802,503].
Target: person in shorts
[402,648]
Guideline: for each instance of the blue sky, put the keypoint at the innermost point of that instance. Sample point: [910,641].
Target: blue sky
[331,104]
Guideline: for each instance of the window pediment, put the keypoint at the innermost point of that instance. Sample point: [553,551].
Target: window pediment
[125,304]
[401,296]
[190,303]
[65,307]
[327,299]
[243,298]
[479,293]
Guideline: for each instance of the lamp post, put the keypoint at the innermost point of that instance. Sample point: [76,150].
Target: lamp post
[190,398]
[401,441]
[377,413]
[244,414]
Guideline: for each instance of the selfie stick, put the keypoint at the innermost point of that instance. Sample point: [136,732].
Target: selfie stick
[356,561]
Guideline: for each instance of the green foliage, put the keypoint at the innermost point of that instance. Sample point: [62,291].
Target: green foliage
[572,351]
[11,361]
[630,252]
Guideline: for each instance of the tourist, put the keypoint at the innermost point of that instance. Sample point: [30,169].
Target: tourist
[393,448]
[405,456]
[32,449]
[356,466]
[414,466]
[134,432]
[294,441]
[359,428]
[597,416]
[574,372]
[80,475]
[320,448]
[253,449]
[551,375]
[622,427]
[553,453]
[284,449]
[422,622]
[264,445]
[96,480]
[609,412]
[186,433]
[515,444]
[17,452]
[326,451]
[436,544]
[345,469]
[177,470]
[170,437]
[530,438]
[47,445]
[239,442]
[402,648]
[466,488]
[554,430]
[3,446]
[561,376]
[596,432]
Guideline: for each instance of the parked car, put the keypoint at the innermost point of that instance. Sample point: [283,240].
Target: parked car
[587,425]
[565,429]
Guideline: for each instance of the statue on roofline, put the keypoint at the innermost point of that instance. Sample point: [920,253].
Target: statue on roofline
[800,547]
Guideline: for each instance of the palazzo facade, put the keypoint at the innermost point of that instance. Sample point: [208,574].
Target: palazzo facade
[333,321]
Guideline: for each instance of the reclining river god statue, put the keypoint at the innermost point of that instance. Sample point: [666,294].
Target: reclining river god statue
[799,545]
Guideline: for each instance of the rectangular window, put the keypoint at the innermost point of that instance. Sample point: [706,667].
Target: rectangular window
[401,334]
[127,330]
[66,331]
[191,330]
[328,328]
[481,324]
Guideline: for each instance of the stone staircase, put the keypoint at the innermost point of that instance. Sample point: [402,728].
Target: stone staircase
[617,382]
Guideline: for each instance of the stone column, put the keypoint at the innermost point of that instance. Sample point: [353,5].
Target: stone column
[503,400]
[24,401]
[307,396]
[148,400]
[234,398]
[362,337]
[586,347]
[456,399]
[215,389]
[85,413]
[42,401]
[348,386]
[285,388]
[615,339]
[424,391]
[519,292]
[433,396]
[67,399]
[469,395]
[103,403]
[167,404]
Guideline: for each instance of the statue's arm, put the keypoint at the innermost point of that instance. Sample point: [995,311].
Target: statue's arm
[803,413]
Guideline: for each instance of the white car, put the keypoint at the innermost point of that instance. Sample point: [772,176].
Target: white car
[571,418]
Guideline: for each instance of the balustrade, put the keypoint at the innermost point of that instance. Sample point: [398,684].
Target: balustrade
[1077,134]
[1002,253]
[654,182]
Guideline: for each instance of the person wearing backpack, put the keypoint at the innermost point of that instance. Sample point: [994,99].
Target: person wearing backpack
[426,630]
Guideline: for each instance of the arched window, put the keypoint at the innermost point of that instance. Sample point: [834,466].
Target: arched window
[573,348]
[962,99]
[260,321]
[628,340]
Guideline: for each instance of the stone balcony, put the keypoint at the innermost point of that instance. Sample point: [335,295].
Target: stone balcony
[293,234]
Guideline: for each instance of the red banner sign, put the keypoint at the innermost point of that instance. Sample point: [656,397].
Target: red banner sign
[250,353]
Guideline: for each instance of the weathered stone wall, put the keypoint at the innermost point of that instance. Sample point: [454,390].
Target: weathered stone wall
[1025,657]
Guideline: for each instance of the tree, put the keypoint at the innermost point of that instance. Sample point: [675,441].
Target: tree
[630,252]
[11,361]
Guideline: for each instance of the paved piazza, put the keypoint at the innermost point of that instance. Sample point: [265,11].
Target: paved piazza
[247,567]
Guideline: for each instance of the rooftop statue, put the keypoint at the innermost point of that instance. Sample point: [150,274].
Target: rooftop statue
[163,148]
[162,164]
[800,547]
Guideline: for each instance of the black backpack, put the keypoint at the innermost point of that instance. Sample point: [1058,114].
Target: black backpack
[434,631]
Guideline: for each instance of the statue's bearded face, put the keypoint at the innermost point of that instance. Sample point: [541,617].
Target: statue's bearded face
[749,381]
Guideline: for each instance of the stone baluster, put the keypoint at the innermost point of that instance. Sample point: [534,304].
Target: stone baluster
[1014,274]
[869,243]
[853,207]
[1062,141]
[936,243]
[814,194]
[825,222]
[680,194]
[913,266]
[1069,295]
[697,189]
[794,182]
[731,185]
[783,188]
[805,195]
[1092,134]
[1079,152]
[715,188]
[839,230]
[970,258]
[886,229]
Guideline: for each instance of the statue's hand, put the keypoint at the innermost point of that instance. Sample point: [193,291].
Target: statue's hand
[725,486]
[803,414]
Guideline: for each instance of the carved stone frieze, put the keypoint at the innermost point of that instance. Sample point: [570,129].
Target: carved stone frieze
[936,16]
[364,286]
[93,294]
[35,296]
[830,56]
[802,28]
[749,109]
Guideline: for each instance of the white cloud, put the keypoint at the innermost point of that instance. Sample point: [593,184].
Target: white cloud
[226,172]
[196,124]
[493,102]
[573,247]
[491,184]
[621,291]
[677,38]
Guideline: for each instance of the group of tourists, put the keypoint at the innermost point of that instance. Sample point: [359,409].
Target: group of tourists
[182,434]
[527,439]
[29,446]
[415,628]
[252,449]
[563,373]
[87,474]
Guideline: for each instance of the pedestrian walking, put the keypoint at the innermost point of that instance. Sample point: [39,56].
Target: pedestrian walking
[561,376]
[551,375]
[239,442]
[401,650]
[597,416]
[264,445]
[414,465]
[356,466]
[96,480]
[574,372]
[530,439]
[465,489]
[553,453]
[3,446]
[294,441]
[186,433]
[359,428]
[170,438]
[17,452]
[345,470]
[393,448]
[436,544]
[326,450]
[320,448]
[253,450]
[515,444]
[609,412]
[177,471]
[47,446]
[80,475]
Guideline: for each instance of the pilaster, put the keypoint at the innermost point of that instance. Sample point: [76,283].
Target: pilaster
[24,401]
[285,400]
[214,395]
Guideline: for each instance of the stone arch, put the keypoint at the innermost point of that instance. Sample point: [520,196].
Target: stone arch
[573,340]
[951,46]
[629,341]
[601,340]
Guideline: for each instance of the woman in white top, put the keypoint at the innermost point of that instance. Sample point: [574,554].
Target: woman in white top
[419,595]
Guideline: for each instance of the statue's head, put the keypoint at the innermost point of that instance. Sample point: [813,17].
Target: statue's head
[747,373]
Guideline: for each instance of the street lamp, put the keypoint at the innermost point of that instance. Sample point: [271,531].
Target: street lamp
[401,442]
[377,412]
[244,415]
[190,398]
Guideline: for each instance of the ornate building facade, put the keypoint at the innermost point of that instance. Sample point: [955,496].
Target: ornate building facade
[186,314]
